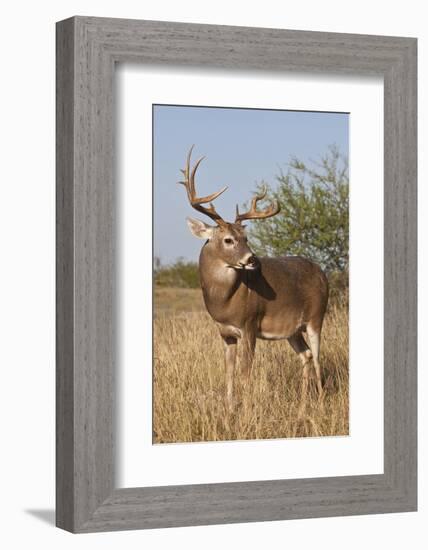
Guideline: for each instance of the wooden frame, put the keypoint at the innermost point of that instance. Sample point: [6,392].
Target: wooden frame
[87,50]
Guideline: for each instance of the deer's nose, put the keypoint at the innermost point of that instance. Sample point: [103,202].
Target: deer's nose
[250,259]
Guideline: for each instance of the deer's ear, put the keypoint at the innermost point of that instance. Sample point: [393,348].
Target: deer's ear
[200,229]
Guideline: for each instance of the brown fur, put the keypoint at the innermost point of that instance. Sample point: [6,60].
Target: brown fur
[279,299]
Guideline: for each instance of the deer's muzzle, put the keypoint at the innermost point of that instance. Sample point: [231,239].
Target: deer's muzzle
[250,263]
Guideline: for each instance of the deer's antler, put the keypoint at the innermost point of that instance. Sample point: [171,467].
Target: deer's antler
[197,202]
[253,213]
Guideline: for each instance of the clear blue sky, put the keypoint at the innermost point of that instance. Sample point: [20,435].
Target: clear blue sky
[241,147]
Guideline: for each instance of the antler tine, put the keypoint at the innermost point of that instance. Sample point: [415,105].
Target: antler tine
[261,195]
[187,175]
[197,202]
[253,213]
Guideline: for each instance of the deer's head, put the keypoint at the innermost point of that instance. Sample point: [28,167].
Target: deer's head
[226,239]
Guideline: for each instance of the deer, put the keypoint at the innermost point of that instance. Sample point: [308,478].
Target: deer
[251,297]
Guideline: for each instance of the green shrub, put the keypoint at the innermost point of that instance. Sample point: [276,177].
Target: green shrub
[314,217]
[181,274]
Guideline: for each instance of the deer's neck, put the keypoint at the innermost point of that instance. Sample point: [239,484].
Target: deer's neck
[221,286]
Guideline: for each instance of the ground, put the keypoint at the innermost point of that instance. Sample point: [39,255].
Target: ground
[189,382]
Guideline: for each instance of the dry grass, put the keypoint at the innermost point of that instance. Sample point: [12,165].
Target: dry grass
[189,384]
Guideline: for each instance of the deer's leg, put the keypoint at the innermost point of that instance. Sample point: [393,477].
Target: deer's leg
[230,344]
[298,343]
[248,349]
[314,336]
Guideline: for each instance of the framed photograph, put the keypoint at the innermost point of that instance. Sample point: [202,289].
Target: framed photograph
[236,274]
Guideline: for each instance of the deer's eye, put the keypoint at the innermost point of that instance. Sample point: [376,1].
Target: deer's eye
[228,240]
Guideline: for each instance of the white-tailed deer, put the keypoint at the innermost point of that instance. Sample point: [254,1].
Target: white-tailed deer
[251,297]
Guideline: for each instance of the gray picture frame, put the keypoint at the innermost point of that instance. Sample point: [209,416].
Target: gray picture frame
[87,51]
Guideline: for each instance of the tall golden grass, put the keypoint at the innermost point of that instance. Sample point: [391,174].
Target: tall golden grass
[189,382]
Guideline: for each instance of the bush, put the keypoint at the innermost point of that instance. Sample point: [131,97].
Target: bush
[182,274]
[314,217]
